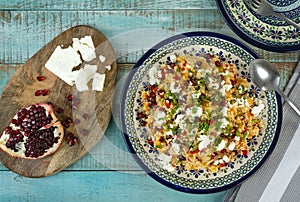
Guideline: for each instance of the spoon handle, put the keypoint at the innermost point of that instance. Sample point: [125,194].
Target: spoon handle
[287,99]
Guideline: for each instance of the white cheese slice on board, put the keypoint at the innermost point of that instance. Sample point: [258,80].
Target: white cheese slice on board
[86,47]
[61,63]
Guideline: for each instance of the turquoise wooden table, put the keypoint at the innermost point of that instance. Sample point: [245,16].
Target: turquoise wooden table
[108,173]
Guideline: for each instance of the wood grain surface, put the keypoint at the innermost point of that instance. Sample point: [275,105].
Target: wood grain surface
[20,89]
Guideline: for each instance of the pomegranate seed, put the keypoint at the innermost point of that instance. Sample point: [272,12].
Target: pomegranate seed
[70,97]
[14,121]
[41,78]
[85,132]
[50,103]
[26,133]
[59,110]
[38,92]
[76,101]
[73,141]
[218,63]
[70,136]
[74,107]
[8,129]
[86,117]
[45,92]
[69,120]
[143,123]
[244,152]
[161,93]
[168,103]
[141,115]
[66,124]
[77,121]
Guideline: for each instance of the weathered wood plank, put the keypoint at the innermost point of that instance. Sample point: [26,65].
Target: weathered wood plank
[93,186]
[105,4]
[23,33]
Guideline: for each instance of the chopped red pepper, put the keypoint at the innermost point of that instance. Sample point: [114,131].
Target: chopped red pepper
[168,103]
[244,152]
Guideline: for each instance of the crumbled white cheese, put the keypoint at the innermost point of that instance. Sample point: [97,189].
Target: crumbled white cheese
[86,47]
[225,88]
[169,132]
[180,120]
[196,95]
[224,123]
[102,58]
[205,141]
[98,82]
[257,109]
[226,159]
[221,161]
[231,146]
[153,75]
[159,117]
[221,145]
[61,63]
[237,138]
[108,67]
[212,84]
[224,111]
[194,111]
[241,102]
[165,161]
[176,148]
[173,58]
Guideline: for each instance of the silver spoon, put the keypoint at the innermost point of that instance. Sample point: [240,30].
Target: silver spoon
[266,76]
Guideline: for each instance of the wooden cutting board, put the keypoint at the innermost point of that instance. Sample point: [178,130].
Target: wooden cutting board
[91,108]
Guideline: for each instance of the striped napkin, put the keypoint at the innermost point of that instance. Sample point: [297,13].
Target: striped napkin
[279,177]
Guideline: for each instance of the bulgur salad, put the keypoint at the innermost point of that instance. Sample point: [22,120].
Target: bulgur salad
[197,113]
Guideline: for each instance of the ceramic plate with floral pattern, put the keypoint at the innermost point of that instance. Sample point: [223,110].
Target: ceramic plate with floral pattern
[269,33]
[150,157]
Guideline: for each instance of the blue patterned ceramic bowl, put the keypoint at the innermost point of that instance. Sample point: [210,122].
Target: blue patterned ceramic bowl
[197,43]
[269,33]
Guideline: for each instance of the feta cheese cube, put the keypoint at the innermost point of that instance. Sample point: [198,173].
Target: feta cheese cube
[86,47]
[98,82]
[61,63]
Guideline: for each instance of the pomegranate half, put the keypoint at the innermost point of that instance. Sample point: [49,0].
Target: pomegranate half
[33,133]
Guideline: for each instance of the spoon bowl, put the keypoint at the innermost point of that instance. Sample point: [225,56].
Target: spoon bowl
[266,77]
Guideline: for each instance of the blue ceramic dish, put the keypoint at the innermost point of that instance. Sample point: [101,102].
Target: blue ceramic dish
[268,33]
[198,181]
